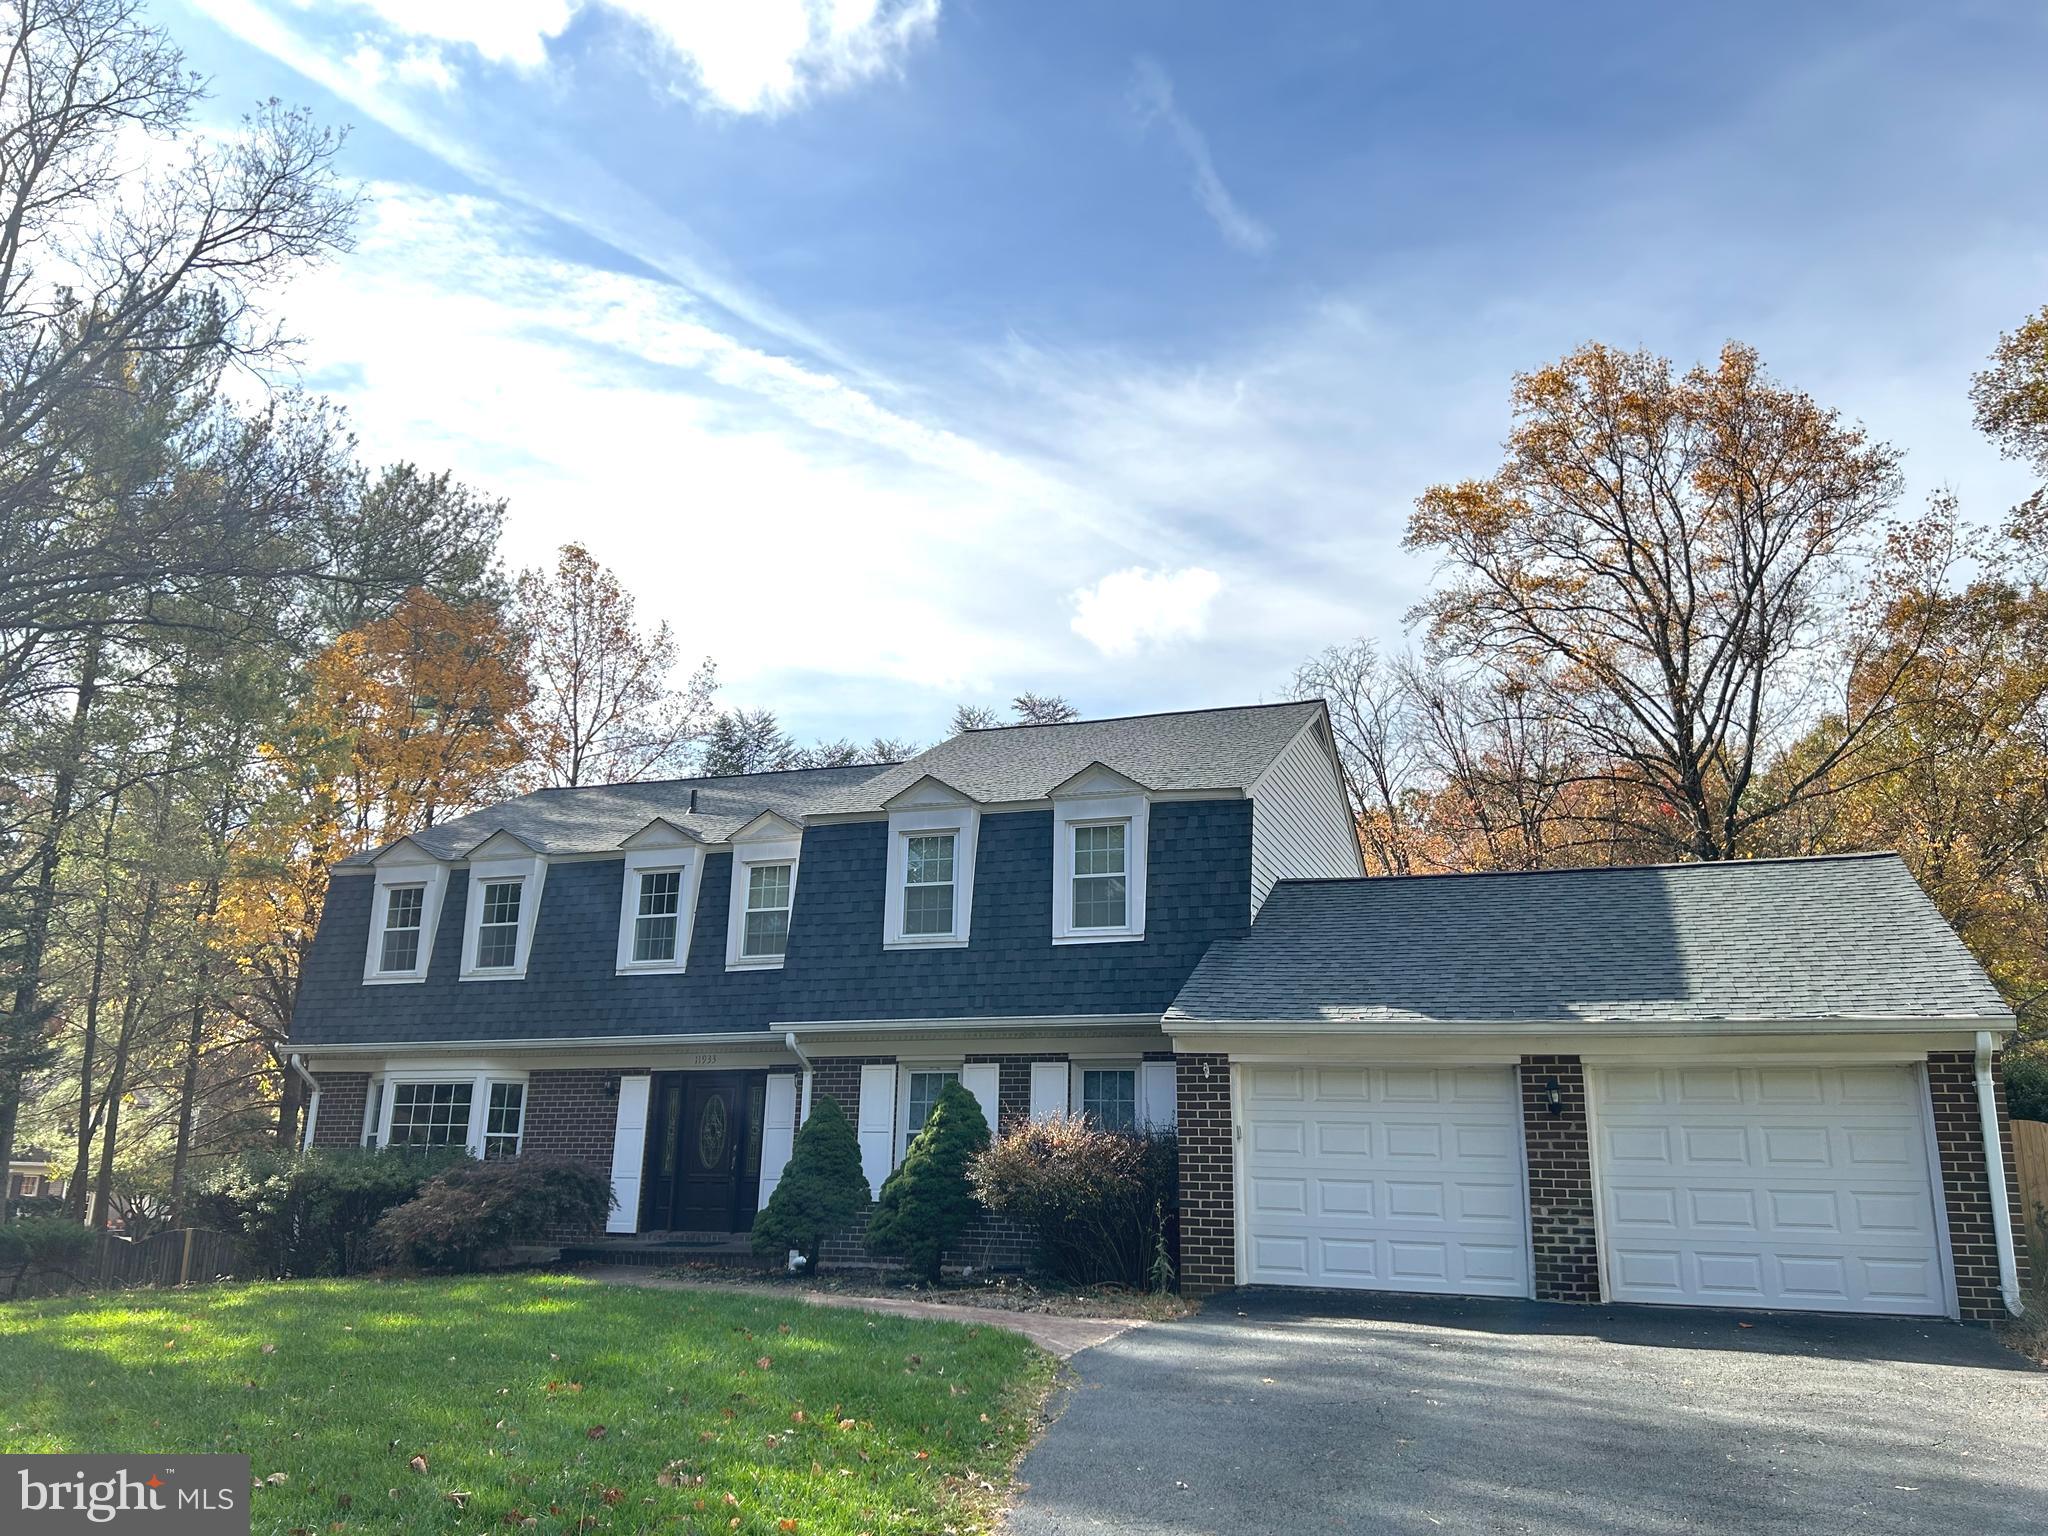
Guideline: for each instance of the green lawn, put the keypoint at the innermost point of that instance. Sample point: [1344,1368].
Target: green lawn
[538,1402]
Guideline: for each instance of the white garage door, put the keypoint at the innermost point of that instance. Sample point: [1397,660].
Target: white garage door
[1797,1187]
[1384,1178]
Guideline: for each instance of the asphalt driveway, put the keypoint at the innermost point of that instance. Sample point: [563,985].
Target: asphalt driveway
[1299,1413]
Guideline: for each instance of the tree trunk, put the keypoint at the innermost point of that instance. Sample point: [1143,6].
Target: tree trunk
[43,902]
[195,1028]
[88,1118]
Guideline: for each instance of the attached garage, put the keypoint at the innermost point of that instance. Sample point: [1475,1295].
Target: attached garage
[1800,1187]
[1384,1178]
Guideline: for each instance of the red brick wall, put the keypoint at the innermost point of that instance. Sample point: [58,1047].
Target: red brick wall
[1208,1201]
[574,1114]
[1966,1183]
[343,1098]
[1560,1159]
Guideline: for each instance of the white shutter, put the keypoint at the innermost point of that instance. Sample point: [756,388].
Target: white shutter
[1156,1106]
[877,1124]
[629,1148]
[981,1078]
[1048,1089]
[778,1131]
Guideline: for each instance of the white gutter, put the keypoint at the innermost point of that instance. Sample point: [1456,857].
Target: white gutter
[312,1096]
[1994,1169]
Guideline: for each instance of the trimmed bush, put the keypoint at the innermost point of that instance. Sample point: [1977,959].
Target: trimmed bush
[821,1191]
[2026,1083]
[1101,1203]
[312,1213]
[927,1202]
[464,1213]
[45,1245]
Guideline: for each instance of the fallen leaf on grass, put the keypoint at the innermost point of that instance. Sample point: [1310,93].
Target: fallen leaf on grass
[418,1463]
[595,1432]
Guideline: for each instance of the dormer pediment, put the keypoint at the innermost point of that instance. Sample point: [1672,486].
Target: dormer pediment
[1096,779]
[927,793]
[768,827]
[407,850]
[503,845]
[661,833]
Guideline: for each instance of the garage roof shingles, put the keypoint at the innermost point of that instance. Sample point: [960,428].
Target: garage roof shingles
[1772,940]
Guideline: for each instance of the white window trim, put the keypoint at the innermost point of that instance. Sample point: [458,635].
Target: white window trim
[530,875]
[373,1111]
[689,863]
[433,877]
[964,822]
[482,1112]
[479,1101]
[744,857]
[1134,811]
[956,1066]
[1075,1082]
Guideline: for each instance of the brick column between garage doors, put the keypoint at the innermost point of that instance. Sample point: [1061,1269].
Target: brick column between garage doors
[1562,1230]
[1208,1195]
[1966,1182]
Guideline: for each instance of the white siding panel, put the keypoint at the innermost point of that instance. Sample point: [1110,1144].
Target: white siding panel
[1301,823]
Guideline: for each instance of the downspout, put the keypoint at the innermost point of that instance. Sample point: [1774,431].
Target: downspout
[803,1109]
[1994,1168]
[312,1096]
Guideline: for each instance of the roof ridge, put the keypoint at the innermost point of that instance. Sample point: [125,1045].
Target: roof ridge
[1155,714]
[1593,869]
[706,778]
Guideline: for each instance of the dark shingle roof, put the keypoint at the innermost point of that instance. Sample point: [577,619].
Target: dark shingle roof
[1222,749]
[1195,749]
[1770,940]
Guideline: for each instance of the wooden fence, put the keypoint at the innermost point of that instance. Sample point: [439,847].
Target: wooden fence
[2030,1152]
[189,1256]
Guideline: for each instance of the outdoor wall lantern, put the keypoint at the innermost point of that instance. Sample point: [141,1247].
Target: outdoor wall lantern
[611,1087]
[1553,1098]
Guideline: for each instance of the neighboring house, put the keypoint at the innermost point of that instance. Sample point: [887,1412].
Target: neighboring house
[1787,1069]
[32,1172]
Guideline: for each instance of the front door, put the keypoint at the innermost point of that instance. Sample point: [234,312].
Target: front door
[704,1141]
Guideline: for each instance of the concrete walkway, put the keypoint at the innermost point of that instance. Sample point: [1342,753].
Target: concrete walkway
[1064,1337]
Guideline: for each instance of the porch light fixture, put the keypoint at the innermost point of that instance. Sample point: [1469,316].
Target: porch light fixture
[1553,1098]
[611,1087]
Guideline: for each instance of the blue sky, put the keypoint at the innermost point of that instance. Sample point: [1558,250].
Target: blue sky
[905,351]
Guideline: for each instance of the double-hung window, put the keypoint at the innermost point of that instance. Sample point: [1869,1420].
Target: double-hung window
[655,925]
[766,930]
[1109,1097]
[1101,876]
[928,885]
[497,933]
[921,1094]
[430,1114]
[504,1121]
[404,911]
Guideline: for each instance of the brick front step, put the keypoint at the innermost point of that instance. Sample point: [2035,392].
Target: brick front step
[667,1248]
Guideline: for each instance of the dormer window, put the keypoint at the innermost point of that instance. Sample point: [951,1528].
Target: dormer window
[505,879]
[1100,823]
[929,901]
[658,899]
[405,909]
[770,889]
[763,900]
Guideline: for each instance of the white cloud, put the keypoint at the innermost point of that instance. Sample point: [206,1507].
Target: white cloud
[1130,610]
[1152,99]
[514,32]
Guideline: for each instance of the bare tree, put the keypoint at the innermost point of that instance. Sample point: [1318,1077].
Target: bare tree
[1380,741]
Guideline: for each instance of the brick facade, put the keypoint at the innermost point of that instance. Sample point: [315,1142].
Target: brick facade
[838,1078]
[344,1097]
[1562,1223]
[1208,1200]
[574,1114]
[1013,1087]
[1966,1184]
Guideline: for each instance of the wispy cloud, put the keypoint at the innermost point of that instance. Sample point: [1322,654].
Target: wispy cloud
[1136,609]
[1153,100]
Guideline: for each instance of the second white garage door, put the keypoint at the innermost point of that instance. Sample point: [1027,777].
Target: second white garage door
[1796,1187]
[1384,1178]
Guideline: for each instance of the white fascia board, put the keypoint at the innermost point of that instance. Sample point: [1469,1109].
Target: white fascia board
[661,833]
[1660,1028]
[1098,778]
[502,845]
[767,825]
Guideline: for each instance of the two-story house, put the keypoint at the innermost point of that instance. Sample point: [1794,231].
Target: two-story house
[1764,1084]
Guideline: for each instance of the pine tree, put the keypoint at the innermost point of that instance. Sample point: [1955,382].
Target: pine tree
[822,1190]
[927,1202]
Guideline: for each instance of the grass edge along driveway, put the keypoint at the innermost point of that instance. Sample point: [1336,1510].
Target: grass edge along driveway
[536,1402]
